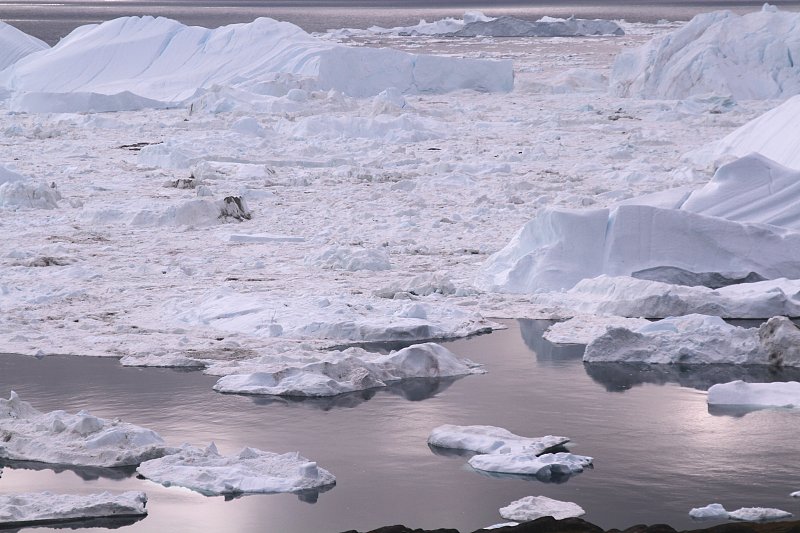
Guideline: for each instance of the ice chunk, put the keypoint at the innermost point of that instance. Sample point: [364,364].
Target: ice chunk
[350,259]
[198,212]
[780,339]
[18,510]
[533,507]
[491,440]
[584,329]
[755,394]
[709,512]
[758,514]
[26,195]
[544,466]
[249,471]
[795,494]
[80,439]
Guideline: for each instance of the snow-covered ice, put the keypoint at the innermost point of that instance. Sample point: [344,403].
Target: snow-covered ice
[250,471]
[513,27]
[491,440]
[16,44]
[758,514]
[542,466]
[533,507]
[39,507]
[585,328]
[80,439]
[755,394]
[709,512]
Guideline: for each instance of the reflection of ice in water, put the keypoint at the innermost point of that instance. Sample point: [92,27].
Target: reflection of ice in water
[532,331]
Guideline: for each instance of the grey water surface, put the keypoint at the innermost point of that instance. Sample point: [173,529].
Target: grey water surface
[658,450]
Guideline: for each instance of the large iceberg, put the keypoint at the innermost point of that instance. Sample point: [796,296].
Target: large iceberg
[747,57]
[17,510]
[15,44]
[491,439]
[80,439]
[542,466]
[165,61]
[533,507]
[549,27]
[755,394]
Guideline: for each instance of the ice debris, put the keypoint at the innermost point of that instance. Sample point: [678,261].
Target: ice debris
[17,510]
[533,507]
[80,439]
[491,440]
[249,471]
[755,394]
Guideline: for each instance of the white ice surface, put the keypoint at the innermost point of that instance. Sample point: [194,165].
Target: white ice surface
[755,394]
[249,471]
[585,328]
[546,465]
[491,440]
[80,439]
[711,511]
[15,44]
[19,509]
[795,494]
[758,514]
[533,507]
[514,27]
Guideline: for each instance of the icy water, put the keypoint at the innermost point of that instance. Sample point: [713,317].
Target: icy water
[52,20]
[658,450]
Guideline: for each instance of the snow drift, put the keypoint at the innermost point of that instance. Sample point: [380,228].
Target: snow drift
[165,61]
[15,44]
[747,57]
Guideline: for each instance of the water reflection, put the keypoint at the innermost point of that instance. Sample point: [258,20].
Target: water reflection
[87,473]
[532,331]
[111,522]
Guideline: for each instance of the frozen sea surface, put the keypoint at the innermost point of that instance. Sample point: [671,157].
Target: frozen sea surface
[657,450]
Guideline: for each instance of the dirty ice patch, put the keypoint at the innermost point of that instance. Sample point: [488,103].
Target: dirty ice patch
[755,394]
[16,194]
[584,329]
[320,373]
[249,471]
[533,507]
[15,44]
[80,439]
[491,440]
[546,466]
[38,507]
[748,57]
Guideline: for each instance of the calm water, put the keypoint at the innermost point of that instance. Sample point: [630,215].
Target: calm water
[658,451]
[52,20]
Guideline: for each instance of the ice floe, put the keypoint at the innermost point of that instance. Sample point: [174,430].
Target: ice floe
[747,56]
[709,512]
[16,195]
[758,514]
[80,439]
[47,507]
[16,44]
[308,373]
[755,394]
[249,471]
[533,507]
[542,466]
[585,328]
[491,440]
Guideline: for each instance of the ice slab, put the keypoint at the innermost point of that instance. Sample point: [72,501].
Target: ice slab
[533,507]
[543,466]
[584,329]
[491,440]
[748,57]
[38,507]
[758,514]
[755,394]
[80,439]
[316,374]
[709,512]
[15,44]
[249,471]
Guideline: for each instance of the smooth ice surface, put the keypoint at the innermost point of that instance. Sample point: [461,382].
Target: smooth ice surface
[328,373]
[533,507]
[795,494]
[14,45]
[755,394]
[543,466]
[585,328]
[711,511]
[20,509]
[758,514]
[249,471]
[748,57]
[80,439]
[491,440]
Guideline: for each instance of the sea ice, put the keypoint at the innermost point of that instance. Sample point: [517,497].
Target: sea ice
[18,510]
[491,440]
[585,328]
[709,512]
[306,373]
[533,507]
[543,466]
[80,439]
[249,471]
[756,394]
[27,195]
[758,514]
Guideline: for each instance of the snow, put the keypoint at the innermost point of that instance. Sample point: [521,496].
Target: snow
[37,507]
[491,440]
[584,329]
[341,258]
[755,394]
[747,57]
[80,439]
[749,514]
[543,466]
[16,44]
[249,471]
[16,195]
[709,512]
[309,373]
[533,507]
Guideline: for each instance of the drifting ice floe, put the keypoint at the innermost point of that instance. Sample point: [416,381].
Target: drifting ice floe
[758,514]
[748,57]
[491,440]
[81,439]
[250,471]
[163,60]
[14,45]
[533,507]
[755,394]
[543,466]
[709,512]
[307,373]
[38,507]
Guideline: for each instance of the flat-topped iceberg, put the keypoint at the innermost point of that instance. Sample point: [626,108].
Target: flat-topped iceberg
[19,510]
[491,440]
[249,471]
[542,466]
[533,507]
[317,374]
[748,514]
[15,44]
[80,439]
[755,394]
[748,57]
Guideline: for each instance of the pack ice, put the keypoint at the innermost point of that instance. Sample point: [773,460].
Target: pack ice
[748,57]
[38,507]
[158,60]
[80,439]
[755,394]
[250,471]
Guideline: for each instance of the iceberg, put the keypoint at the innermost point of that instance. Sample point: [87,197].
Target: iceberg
[491,440]
[533,507]
[19,510]
[542,466]
[755,394]
[15,44]
[758,514]
[584,329]
[714,511]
